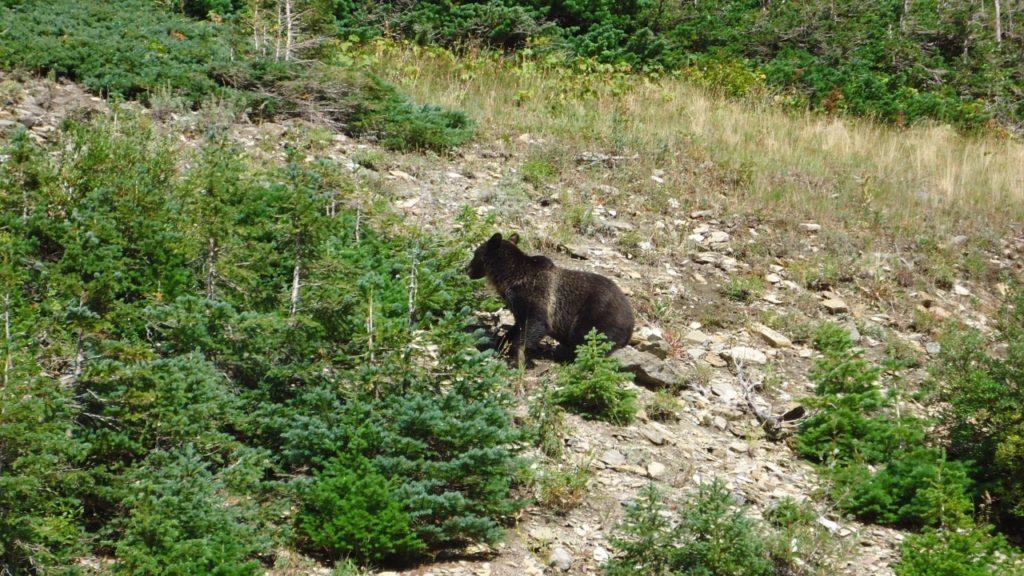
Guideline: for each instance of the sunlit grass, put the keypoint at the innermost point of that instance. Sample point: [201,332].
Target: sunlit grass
[793,165]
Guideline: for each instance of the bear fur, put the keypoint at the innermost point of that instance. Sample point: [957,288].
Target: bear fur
[547,300]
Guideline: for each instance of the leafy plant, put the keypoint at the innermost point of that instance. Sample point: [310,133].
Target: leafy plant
[592,384]
[711,537]
[969,552]
[350,511]
[984,393]
[562,489]
[663,407]
[181,521]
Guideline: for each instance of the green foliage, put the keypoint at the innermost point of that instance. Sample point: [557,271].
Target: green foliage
[547,423]
[169,386]
[561,490]
[592,384]
[984,394]
[538,171]
[892,60]
[743,288]
[350,511]
[876,458]
[180,521]
[664,407]
[123,48]
[712,537]
[968,552]
[134,49]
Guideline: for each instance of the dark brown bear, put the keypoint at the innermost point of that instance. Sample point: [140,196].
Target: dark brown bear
[548,300]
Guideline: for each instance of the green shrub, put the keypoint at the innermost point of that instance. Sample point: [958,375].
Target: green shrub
[133,49]
[561,490]
[712,537]
[181,521]
[592,384]
[547,423]
[350,511]
[538,171]
[875,457]
[968,552]
[984,394]
[743,288]
[171,388]
[125,48]
[917,488]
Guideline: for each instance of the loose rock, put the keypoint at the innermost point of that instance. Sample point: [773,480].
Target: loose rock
[776,339]
[560,559]
[746,355]
[648,369]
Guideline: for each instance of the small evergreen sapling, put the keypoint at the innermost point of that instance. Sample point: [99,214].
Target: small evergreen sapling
[351,511]
[592,384]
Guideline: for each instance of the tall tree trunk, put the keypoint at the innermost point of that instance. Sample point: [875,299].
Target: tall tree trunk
[277,35]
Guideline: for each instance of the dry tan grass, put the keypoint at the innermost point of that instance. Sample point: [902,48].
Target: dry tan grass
[853,173]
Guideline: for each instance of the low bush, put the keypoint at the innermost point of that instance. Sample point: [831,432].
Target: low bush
[880,469]
[983,392]
[711,537]
[562,489]
[199,340]
[134,49]
[592,384]
[973,551]
[181,520]
[350,511]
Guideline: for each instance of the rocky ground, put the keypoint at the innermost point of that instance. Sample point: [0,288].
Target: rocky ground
[730,369]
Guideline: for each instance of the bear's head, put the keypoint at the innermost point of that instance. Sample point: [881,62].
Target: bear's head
[487,255]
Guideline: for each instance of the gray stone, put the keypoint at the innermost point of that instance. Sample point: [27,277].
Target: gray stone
[560,559]
[655,346]
[724,390]
[835,305]
[653,435]
[647,369]
[746,355]
[773,337]
[613,457]
[656,469]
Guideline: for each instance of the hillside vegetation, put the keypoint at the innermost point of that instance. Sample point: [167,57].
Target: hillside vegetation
[894,60]
[239,338]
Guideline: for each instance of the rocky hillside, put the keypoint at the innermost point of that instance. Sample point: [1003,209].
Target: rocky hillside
[723,327]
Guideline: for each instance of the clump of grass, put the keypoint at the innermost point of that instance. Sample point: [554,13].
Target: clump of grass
[663,407]
[538,171]
[744,288]
[546,423]
[822,272]
[370,159]
[797,326]
[562,490]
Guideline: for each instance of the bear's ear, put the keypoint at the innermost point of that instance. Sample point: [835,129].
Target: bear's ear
[495,240]
[514,238]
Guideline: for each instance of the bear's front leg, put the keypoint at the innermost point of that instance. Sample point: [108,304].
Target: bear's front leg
[529,335]
[508,340]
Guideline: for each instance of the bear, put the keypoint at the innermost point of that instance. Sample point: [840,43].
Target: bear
[547,300]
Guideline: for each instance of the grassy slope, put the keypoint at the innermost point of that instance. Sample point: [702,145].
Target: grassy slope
[856,175]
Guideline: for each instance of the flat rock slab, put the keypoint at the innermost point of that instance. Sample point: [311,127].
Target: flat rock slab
[648,370]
